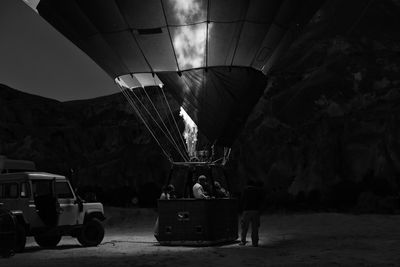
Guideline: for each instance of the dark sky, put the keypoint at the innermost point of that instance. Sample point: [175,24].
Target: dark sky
[36,59]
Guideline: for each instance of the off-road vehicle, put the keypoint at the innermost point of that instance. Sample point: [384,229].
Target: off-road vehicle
[46,207]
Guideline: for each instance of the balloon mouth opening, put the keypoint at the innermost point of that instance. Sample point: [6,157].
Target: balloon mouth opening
[143,80]
[132,81]
[32,4]
[143,107]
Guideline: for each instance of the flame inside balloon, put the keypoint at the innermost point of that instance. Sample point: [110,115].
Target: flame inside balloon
[190,133]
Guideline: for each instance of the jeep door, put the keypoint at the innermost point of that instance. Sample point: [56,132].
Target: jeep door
[45,201]
[9,195]
[24,201]
[69,209]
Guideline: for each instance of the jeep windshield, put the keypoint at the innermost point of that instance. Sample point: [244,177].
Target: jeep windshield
[63,190]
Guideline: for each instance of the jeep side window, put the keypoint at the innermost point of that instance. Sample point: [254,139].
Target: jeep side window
[11,190]
[24,190]
[42,188]
[63,190]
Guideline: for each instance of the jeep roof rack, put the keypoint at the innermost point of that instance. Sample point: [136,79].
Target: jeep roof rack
[13,165]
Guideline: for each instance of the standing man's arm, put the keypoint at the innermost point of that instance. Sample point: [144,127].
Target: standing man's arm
[244,199]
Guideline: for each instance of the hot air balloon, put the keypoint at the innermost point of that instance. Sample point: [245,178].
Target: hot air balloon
[212,57]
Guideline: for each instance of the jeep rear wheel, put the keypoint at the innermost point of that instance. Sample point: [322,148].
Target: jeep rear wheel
[92,233]
[48,241]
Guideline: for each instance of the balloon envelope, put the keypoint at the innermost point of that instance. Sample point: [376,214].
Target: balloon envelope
[212,55]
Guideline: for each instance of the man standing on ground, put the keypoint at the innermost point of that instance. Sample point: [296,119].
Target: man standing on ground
[198,188]
[252,201]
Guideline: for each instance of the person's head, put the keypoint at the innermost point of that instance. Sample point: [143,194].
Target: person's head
[170,188]
[202,180]
[217,185]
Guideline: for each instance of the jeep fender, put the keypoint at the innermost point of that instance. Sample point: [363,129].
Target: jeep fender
[20,218]
[93,214]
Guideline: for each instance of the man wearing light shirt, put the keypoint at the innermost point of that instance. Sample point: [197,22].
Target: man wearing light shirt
[198,188]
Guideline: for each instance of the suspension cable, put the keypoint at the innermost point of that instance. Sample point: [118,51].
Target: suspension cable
[158,125]
[151,118]
[162,121]
[172,115]
[176,132]
[169,122]
[132,104]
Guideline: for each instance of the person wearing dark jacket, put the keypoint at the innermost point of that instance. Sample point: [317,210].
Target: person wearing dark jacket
[168,192]
[252,201]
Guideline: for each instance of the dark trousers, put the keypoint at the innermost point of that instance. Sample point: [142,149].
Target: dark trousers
[250,217]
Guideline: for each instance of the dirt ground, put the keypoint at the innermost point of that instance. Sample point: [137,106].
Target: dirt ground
[316,239]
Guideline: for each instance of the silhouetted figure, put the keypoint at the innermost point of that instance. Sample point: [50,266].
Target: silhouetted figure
[168,192]
[220,192]
[252,200]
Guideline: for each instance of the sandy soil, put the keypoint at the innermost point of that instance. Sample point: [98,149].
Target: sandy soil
[318,239]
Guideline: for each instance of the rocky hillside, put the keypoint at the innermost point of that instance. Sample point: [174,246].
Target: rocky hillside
[98,143]
[327,130]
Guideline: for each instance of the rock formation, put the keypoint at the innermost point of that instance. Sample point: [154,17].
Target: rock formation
[327,129]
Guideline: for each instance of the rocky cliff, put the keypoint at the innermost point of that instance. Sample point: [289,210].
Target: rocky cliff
[99,143]
[326,131]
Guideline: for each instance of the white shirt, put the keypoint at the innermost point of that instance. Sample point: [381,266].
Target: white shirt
[164,196]
[198,191]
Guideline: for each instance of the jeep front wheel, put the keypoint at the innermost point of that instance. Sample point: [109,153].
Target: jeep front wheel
[92,233]
[20,238]
[48,241]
